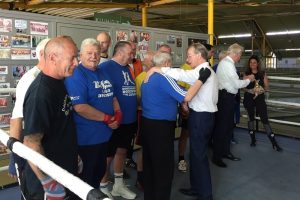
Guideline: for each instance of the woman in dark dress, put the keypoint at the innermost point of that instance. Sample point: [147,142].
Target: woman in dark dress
[254,98]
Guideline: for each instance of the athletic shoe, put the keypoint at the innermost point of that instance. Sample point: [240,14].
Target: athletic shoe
[182,166]
[123,191]
[107,193]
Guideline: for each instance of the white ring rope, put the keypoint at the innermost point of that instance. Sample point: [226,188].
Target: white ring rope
[70,181]
[283,78]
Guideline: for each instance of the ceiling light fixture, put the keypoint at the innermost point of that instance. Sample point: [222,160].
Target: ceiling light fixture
[235,36]
[294,49]
[283,32]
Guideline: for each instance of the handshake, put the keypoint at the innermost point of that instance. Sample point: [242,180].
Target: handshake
[204,74]
[109,119]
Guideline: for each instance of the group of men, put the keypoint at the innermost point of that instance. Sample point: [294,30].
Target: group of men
[83,116]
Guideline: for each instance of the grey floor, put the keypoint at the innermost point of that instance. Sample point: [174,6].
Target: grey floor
[262,174]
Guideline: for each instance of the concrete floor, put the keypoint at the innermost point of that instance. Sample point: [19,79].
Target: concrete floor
[262,174]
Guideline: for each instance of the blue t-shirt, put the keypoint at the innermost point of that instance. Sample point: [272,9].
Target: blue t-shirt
[160,96]
[93,88]
[124,89]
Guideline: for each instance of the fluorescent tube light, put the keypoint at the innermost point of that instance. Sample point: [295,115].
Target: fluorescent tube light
[283,32]
[235,35]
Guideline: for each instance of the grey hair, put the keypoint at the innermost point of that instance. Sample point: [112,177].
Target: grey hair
[199,49]
[89,41]
[161,58]
[235,49]
[40,47]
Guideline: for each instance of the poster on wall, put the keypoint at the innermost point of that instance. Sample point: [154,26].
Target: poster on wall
[4,41]
[33,54]
[133,36]
[4,120]
[2,78]
[21,41]
[122,35]
[36,39]
[143,45]
[21,26]
[145,36]
[171,39]
[179,42]
[4,53]
[5,25]
[3,101]
[19,71]
[3,70]
[38,28]
[20,54]
[194,41]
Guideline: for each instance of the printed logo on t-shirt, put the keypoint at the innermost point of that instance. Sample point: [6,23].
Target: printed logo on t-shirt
[127,79]
[104,84]
[67,105]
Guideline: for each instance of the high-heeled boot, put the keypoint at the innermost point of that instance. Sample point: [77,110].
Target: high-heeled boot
[271,136]
[274,143]
[252,133]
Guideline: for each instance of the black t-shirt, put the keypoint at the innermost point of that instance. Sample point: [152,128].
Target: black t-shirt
[258,76]
[48,110]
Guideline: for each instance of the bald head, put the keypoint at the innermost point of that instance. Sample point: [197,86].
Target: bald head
[165,48]
[105,40]
[60,57]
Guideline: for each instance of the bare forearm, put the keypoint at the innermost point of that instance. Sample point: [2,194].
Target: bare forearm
[116,104]
[33,141]
[16,128]
[193,90]
[89,112]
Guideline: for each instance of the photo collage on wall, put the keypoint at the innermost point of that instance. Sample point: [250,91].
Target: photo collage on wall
[18,41]
[141,39]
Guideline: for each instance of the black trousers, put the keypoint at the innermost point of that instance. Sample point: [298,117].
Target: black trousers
[223,125]
[94,163]
[259,104]
[158,158]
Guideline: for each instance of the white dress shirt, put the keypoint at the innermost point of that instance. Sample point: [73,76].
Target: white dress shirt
[21,90]
[228,78]
[207,98]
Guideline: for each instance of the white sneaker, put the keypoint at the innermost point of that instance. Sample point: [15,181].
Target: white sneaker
[123,191]
[182,166]
[107,193]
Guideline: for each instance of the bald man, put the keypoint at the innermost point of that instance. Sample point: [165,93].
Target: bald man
[49,128]
[105,41]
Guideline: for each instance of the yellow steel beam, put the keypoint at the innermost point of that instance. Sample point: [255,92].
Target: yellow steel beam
[211,25]
[144,17]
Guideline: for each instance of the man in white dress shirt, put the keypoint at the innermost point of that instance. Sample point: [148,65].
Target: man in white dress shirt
[229,83]
[201,119]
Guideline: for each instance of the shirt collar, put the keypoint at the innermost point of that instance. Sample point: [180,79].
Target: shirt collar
[205,64]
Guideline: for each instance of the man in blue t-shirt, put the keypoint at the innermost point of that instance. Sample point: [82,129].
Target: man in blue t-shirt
[124,89]
[160,96]
[97,111]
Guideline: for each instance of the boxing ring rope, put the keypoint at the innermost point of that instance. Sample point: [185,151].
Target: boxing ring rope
[73,183]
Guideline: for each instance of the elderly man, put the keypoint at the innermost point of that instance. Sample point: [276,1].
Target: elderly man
[147,64]
[125,91]
[201,119]
[17,114]
[49,128]
[160,96]
[97,111]
[105,41]
[229,84]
